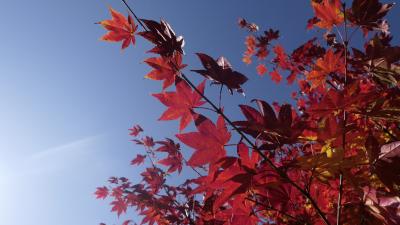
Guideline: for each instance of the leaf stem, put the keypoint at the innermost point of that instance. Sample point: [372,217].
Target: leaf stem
[200,107]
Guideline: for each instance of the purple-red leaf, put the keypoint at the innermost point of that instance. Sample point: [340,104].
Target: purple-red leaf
[138,160]
[162,35]
[220,72]
[387,167]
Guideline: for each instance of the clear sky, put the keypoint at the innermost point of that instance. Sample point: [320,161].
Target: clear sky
[68,99]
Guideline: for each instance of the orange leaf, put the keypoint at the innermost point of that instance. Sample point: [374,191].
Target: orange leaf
[275,76]
[261,69]
[330,63]
[119,29]
[328,13]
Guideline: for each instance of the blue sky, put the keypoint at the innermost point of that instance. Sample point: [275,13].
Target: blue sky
[67,99]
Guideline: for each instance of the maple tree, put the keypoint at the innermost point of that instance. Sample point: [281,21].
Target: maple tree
[334,158]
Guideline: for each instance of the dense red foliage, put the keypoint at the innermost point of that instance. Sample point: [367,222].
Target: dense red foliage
[333,159]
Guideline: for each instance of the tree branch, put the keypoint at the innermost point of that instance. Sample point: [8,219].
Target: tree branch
[345,44]
[282,174]
[273,209]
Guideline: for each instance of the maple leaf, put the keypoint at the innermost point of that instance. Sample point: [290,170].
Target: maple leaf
[250,49]
[154,177]
[174,163]
[138,160]
[101,192]
[174,158]
[208,142]
[271,34]
[382,209]
[252,27]
[165,68]
[135,130]
[220,72]
[275,76]
[119,206]
[181,102]
[119,29]
[261,69]
[387,166]
[368,14]
[162,35]
[146,141]
[117,192]
[334,101]
[329,63]
[168,146]
[328,13]
[113,180]
[246,159]
[281,57]
[266,126]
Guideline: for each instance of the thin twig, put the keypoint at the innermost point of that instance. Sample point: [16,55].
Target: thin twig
[175,202]
[308,186]
[394,138]
[220,96]
[345,44]
[134,15]
[273,209]
[200,107]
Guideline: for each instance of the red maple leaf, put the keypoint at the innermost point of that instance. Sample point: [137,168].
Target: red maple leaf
[261,69]
[181,102]
[135,130]
[275,76]
[119,206]
[119,29]
[174,162]
[328,13]
[174,159]
[247,159]
[251,43]
[281,57]
[209,142]
[154,177]
[146,141]
[329,63]
[165,68]
[138,160]
[101,192]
